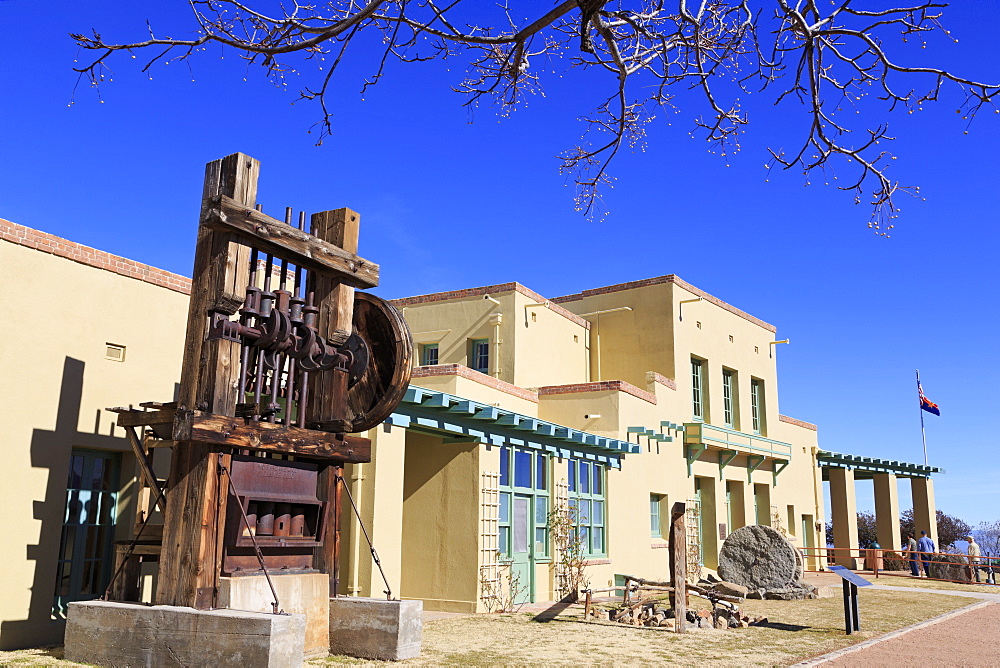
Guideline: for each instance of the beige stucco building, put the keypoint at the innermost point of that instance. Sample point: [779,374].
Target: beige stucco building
[618,401]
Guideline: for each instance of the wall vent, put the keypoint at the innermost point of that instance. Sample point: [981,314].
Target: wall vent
[114,352]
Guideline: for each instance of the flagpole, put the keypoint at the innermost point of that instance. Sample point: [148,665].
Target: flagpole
[920,408]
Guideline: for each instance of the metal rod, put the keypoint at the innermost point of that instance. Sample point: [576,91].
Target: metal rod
[244,348]
[388,589]
[265,310]
[253,539]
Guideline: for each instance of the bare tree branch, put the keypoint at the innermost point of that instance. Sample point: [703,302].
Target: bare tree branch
[824,58]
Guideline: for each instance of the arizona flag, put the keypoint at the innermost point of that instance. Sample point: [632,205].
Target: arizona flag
[925,403]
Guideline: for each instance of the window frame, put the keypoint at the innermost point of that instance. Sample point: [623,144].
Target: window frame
[730,399]
[698,390]
[656,503]
[425,349]
[575,496]
[757,406]
[474,355]
[539,486]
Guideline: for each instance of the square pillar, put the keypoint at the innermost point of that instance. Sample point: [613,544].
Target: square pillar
[924,510]
[844,512]
[737,494]
[382,510]
[887,511]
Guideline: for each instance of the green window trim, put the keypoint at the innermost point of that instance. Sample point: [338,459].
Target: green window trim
[655,501]
[429,354]
[526,473]
[86,554]
[757,405]
[586,492]
[697,389]
[479,355]
[728,398]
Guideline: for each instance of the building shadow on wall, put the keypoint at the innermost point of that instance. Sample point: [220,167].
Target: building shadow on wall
[50,449]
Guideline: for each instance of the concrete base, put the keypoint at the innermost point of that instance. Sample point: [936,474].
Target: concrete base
[373,628]
[306,594]
[126,634]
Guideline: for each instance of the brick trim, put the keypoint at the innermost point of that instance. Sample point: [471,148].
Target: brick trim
[70,250]
[599,386]
[481,378]
[490,290]
[669,278]
[657,377]
[797,423]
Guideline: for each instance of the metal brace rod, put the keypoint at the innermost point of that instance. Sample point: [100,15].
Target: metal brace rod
[388,589]
[253,538]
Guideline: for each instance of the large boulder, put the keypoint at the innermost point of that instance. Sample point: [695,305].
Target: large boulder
[759,557]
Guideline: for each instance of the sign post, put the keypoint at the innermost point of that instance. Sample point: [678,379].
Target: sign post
[851,581]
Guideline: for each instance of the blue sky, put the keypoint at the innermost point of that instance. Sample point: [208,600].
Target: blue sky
[447,203]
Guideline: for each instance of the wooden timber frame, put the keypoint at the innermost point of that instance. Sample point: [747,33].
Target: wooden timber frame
[201,427]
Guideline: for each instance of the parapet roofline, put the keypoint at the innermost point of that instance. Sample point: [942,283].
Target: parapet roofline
[669,278]
[497,289]
[44,242]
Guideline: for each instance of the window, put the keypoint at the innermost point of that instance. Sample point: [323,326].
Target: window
[524,475]
[585,485]
[757,405]
[85,551]
[697,389]
[729,394]
[656,504]
[429,354]
[480,355]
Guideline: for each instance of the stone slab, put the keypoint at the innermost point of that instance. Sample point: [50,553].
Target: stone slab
[759,557]
[372,628]
[300,594]
[106,633]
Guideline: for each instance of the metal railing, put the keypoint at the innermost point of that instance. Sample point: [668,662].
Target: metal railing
[940,566]
[730,439]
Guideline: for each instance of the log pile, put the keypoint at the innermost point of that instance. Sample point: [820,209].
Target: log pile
[643,604]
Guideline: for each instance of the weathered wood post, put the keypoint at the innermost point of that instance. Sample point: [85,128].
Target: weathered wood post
[678,566]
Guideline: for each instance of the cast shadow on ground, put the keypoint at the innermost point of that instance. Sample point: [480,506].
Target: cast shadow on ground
[554,610]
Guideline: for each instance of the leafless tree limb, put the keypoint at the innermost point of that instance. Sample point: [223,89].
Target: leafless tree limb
[824,55]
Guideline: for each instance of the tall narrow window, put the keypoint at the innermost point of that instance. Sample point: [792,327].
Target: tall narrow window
[697,389]
[729,398]
[586,499]
[429,354]
[656,501]
[524,502]
[757,405]
[85,554]
[480,355]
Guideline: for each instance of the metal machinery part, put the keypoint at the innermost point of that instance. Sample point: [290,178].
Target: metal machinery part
[375,393]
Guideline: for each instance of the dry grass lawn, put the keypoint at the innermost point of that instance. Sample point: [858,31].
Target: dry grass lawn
[796,630]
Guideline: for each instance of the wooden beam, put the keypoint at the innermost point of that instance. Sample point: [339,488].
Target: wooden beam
[678,565]
[275,236]
[235,433]
[335,300]
[192,542]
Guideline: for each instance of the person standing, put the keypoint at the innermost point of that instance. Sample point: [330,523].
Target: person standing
[975,553]
[911,548]
[926,547]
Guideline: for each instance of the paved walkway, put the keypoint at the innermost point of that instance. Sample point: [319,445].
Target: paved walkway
[964,637]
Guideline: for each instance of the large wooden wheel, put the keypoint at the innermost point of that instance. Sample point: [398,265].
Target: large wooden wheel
[376,391]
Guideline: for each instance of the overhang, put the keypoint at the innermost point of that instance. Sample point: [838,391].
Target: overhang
[459,419]
[866,467]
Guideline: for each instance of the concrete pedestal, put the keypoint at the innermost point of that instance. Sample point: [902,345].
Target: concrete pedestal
[127,634]
[304,594]
[373,628]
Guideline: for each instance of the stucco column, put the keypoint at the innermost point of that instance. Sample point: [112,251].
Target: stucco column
[924,509]
[737,495]
[844,512]
[887,511]
[382,510]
